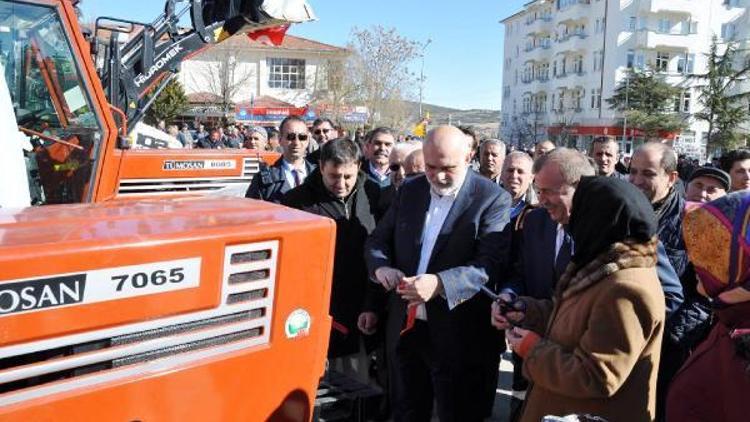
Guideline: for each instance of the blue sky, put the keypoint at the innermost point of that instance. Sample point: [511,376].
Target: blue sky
[463,64]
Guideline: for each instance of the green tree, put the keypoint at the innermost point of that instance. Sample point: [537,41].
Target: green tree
[647,101]
[169,104]
[721,98]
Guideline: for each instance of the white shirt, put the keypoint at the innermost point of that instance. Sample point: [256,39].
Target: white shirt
[288,167]
[440,206]
[379,175]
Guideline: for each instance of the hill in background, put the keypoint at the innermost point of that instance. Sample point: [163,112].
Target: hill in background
[485,122]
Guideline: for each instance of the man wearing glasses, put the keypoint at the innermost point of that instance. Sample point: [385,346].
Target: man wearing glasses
[546,248]
[323,130]
[289,171]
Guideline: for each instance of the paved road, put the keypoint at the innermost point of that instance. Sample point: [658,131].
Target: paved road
[502,397]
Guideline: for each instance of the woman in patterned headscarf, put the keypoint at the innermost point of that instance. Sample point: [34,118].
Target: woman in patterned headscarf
[714,384]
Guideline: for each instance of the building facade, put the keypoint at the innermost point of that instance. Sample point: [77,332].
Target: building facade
[242,73]
[564,58]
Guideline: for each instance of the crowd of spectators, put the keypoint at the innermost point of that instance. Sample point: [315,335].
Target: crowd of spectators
[620,284]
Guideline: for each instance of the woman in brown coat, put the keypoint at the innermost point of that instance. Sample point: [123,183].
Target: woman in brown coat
[594,349]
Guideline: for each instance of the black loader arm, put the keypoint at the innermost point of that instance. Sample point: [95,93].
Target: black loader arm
[133,73]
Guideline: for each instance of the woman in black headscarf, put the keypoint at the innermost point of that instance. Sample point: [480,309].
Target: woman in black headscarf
[594,348]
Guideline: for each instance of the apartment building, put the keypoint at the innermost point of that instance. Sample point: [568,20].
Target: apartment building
[564,58]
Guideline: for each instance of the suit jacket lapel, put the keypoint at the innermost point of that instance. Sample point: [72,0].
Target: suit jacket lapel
[281,177]
[461,203]
[550,241]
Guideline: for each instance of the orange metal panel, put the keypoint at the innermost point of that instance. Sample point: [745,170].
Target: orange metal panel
[250,384]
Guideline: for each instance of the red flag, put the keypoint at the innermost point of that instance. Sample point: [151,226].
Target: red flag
[269,36]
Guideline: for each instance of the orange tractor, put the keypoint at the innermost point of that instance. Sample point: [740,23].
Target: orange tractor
[190,308]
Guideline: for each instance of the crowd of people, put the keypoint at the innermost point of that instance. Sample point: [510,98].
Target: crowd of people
[621,288]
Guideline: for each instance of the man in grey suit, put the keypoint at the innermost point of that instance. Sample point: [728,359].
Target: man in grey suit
[442,238]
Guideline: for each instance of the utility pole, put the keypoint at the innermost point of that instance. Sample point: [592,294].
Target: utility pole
[421,76]
[625,115]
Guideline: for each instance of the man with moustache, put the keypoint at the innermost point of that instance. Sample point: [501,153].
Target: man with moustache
[440,241]
[378,147]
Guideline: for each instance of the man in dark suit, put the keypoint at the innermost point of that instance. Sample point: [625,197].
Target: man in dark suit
[378,147]
[442,238]
[545,248]
[290,170]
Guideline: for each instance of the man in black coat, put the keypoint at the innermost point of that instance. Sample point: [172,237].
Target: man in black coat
[340,191]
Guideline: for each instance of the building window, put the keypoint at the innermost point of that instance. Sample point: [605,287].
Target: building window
[527,104]
[664,26]
[685,63]
[662,61]
[598,60]
[506,91]
[632,22]
[630,61]
[728,31]
[541,103]
[577,99]
[682,103]
[286,73]
[578,65]
[596,98]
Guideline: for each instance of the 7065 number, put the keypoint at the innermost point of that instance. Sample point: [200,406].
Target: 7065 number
[156,278]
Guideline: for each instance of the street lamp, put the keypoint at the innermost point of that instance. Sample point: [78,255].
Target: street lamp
[421,76]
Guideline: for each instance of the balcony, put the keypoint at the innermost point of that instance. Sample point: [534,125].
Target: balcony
[656,40]
[578,41]
[686,7]
[573,11]
[539,26]
[539,53]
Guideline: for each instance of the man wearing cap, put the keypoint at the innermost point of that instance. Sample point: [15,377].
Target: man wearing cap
[256,138]
[706,184]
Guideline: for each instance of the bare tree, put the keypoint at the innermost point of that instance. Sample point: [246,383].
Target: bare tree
[335,85]
[380,72]
[221,75]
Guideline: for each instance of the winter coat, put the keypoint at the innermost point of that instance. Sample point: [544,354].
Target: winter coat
[714,383]
[599,353]
[352,291]
[670,213]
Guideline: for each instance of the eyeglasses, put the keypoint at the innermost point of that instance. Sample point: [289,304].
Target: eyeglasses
[292,136]
[394,167]
[319,131]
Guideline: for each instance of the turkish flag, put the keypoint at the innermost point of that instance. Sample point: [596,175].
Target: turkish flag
[269,36]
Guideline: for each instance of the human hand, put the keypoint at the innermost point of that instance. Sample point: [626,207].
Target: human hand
[389,277]
[368,323]
[419,289]
[521,341]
